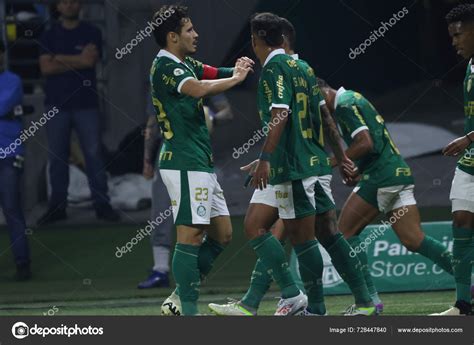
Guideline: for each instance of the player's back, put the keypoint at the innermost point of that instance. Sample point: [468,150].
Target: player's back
[186,143]
[283,83]
[355,113]
[315,102]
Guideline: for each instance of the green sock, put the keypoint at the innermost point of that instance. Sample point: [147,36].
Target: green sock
[355,242]
[259,285]
[311,270]
[186,275]
[273,257]
[462,262]
[436,252]
[349,268]
[209,251]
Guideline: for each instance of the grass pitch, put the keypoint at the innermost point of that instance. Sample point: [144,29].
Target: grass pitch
[76,272]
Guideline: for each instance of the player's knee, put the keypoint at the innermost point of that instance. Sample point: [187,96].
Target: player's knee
[412,243]
[462,222]
[253,230]
[226,238]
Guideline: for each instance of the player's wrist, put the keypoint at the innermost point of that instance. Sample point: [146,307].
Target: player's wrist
[470,137]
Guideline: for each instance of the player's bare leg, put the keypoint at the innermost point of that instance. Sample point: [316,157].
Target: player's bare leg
[355,216]
[259,220]
[406,224]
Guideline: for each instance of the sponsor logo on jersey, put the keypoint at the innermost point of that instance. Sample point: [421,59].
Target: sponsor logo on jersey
[280,86]
[178,71]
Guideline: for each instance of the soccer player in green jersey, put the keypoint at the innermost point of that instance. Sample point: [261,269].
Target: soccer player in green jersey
[185,162]
[384,183]
[461,29]
[264,208]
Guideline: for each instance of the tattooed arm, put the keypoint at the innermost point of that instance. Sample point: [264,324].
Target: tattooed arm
[346,166]
[151,135]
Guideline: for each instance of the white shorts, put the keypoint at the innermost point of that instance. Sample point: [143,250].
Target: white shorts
[266,197]
[462,192]
[196,196]
[387,199]
[303,198]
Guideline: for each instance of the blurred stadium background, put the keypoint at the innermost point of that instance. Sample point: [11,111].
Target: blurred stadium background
[412,75]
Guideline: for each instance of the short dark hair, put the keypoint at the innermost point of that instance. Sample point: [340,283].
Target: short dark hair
[461,13]
[289,32]
[169,18]
[322,84]
[268,27]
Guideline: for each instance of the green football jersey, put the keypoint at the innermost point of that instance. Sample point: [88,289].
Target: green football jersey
[186,144]
[383,166]
[315,102]
[466,163]
[283,85]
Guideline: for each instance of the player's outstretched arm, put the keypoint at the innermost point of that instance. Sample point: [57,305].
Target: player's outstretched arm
[456,147]
[204,88]
[212,73]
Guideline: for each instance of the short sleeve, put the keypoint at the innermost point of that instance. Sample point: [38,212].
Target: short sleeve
[351,119]
[281,90]
[197,66]
[172,76]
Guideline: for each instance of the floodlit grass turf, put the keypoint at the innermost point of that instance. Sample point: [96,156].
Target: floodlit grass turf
[76,270]
[395,304]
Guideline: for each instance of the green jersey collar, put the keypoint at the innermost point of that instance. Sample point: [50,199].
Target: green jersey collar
[338,95]
[165,53]
[273,54]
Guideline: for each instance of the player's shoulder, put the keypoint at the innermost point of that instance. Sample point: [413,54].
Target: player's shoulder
[164,64]
[193,62]
[306,67]
[350,97]
[280,64]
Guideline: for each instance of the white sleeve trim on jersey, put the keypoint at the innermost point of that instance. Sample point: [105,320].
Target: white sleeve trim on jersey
[284,106]
[180,85]
[358,130]
[323,102]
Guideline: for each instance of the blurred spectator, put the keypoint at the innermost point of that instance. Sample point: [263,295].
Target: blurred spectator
[70,50]
[161,237]
[11,164]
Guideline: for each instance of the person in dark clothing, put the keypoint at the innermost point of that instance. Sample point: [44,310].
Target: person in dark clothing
[70,50]
[11,159]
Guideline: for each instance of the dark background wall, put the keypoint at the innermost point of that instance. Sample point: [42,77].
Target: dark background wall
[412,74]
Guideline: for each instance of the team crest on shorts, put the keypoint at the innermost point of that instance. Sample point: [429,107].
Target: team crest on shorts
[201,211]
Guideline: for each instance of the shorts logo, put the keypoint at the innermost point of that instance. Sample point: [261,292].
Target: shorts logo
[178,71]
[201,211]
